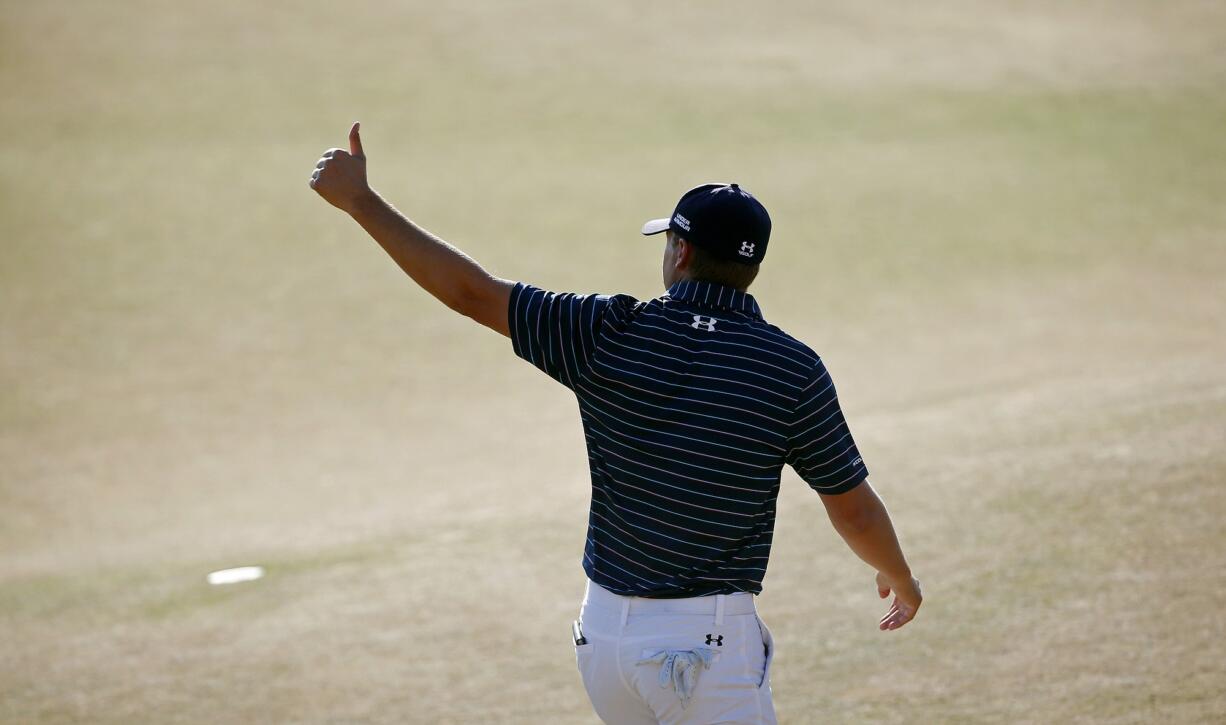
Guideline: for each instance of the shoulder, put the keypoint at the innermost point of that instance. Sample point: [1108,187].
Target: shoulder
[591,312]
[800,348]
[522,292]
[816,378]
[785,344]
[624,302]
[621,308]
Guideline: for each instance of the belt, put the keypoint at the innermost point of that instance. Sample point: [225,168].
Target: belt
[717,605]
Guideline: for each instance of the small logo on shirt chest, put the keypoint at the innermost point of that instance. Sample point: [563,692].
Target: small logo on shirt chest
[701,322]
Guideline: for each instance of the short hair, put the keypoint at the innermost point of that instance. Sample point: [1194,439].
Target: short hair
[706,267]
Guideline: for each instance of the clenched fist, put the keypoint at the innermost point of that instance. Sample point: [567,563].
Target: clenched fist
[340,176]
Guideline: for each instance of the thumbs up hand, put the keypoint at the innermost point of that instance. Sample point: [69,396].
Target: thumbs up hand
[340,176]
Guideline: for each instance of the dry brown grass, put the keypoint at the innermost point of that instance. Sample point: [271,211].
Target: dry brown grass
[1000,223]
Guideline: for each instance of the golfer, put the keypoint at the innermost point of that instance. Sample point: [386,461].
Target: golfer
[691,405]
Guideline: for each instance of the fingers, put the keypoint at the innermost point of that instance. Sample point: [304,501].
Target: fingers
[327,157]
[898,615]
[355,141]
[341,173]
[906,602]
[883,624]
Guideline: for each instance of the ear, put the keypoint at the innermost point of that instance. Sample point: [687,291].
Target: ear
[685,253]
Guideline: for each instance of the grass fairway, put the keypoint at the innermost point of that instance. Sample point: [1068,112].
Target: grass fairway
[1001,224]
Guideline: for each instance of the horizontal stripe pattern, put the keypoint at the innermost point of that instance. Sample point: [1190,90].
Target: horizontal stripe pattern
[691,405]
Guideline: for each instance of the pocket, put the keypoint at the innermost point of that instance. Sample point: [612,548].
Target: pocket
[583,655]
[768,648]
[583,648]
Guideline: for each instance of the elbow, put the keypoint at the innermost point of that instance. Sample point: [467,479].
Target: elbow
[482,304]
[465,300]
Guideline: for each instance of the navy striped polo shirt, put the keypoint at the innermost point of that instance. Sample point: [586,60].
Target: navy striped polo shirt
[691,404]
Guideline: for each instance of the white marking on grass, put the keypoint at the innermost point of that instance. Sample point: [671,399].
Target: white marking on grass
[234,576]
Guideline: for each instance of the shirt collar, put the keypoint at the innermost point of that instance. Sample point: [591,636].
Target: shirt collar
[714,295]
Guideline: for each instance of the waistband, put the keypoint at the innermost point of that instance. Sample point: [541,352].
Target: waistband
[717,605]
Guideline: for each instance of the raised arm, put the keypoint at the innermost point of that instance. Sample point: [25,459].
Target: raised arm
[453,277]
[861,519]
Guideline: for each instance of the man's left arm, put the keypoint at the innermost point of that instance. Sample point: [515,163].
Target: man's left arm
[447,273]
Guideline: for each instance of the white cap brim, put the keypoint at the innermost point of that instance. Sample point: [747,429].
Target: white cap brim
[655,226]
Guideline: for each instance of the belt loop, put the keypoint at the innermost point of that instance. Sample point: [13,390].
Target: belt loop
[719,609]
[625,611]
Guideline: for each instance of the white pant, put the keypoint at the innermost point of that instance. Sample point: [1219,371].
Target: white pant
[698,661]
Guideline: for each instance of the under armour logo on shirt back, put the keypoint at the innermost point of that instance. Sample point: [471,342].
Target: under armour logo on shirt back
[703,323]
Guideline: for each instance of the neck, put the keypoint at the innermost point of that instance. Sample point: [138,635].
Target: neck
[688,278]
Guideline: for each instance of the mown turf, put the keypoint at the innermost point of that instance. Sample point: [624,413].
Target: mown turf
[1000,224]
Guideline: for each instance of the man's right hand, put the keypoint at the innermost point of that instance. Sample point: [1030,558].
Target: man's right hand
[907,599]
[340,176]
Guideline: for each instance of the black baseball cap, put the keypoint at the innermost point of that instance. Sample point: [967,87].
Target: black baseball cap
[723,219]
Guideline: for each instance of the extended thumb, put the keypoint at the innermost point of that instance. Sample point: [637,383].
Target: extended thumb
[355,140]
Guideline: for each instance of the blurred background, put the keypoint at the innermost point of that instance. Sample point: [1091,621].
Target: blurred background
[1000,223]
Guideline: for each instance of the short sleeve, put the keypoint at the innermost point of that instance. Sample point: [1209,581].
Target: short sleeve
[820,446]
[555,331]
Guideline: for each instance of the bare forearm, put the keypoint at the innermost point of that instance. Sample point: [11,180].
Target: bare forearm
[439,268]
[871,536]
[861,519]
[445,272]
